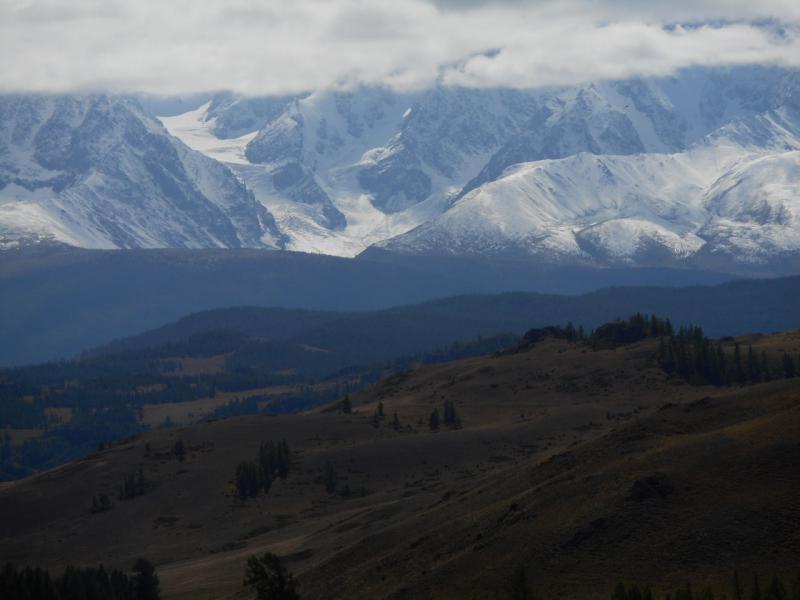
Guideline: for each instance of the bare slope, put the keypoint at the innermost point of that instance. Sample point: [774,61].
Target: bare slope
[585,465]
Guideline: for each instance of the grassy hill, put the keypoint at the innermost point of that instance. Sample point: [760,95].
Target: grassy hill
[241,360]
[584,463]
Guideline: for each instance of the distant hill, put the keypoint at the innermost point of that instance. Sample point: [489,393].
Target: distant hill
[727,309]
[56,302]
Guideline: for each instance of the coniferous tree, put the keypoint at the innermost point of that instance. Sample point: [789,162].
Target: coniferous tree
[620,593]
[5,449]
[270,580]
[794,593]
[706,594]
[755,593]
[347,407]
[788,365]
[179,450]
[266,465]
[520,588]
[753,366]
[247,480]
[396,422]
[685,594]
[775,590]
[450,417]
[145,581]
[133,485]
[736,584]
[570,333]
[101,503]
[80,584]
[139,482]
[433,420]
[283,459]
[380,410]
[739,372]
[766,375]
[330,478]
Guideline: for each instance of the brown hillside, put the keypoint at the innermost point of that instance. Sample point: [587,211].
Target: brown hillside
[587,466]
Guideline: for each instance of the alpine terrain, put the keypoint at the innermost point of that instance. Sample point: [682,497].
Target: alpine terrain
[699,170]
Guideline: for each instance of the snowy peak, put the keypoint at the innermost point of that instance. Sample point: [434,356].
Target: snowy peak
[111,176]
[571,209]
[755,209]
[737,204]
[695,168]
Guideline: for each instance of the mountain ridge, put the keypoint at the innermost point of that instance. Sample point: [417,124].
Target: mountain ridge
[345,171]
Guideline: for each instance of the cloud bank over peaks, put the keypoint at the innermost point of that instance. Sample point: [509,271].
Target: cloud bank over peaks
[272,47]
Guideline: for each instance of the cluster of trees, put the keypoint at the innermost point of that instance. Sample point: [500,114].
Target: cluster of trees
[78,437]
[17,410]
[81,583]
[688,353]
[633,329]
[132,486]
[534,336]
[519,588]
[774,590]
[691,355]
[253,477]
[450,417]
[380,415]
[269,579]
[101,503]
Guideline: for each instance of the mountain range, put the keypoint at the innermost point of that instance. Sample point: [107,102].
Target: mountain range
[701,170]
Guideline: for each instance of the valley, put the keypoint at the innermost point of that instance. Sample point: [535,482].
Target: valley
[419,300]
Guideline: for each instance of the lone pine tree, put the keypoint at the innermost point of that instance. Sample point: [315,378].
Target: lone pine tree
[450,416]
[329,477]
[179,450]
[145,581]
[247,480]
[433,420]
[519,588]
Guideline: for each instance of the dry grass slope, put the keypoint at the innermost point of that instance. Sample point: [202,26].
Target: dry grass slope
[588,466]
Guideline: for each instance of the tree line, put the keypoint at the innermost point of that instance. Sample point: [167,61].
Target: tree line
[692,356]
[688,353]
[775,588]
[80,583]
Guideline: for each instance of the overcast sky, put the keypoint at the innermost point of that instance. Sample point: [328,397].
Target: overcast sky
[280,46]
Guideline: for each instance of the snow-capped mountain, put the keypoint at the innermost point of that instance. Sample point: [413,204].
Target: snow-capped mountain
[96,171]
[731,197]
[697,169]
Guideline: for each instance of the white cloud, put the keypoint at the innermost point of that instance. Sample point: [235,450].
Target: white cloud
[270,46]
